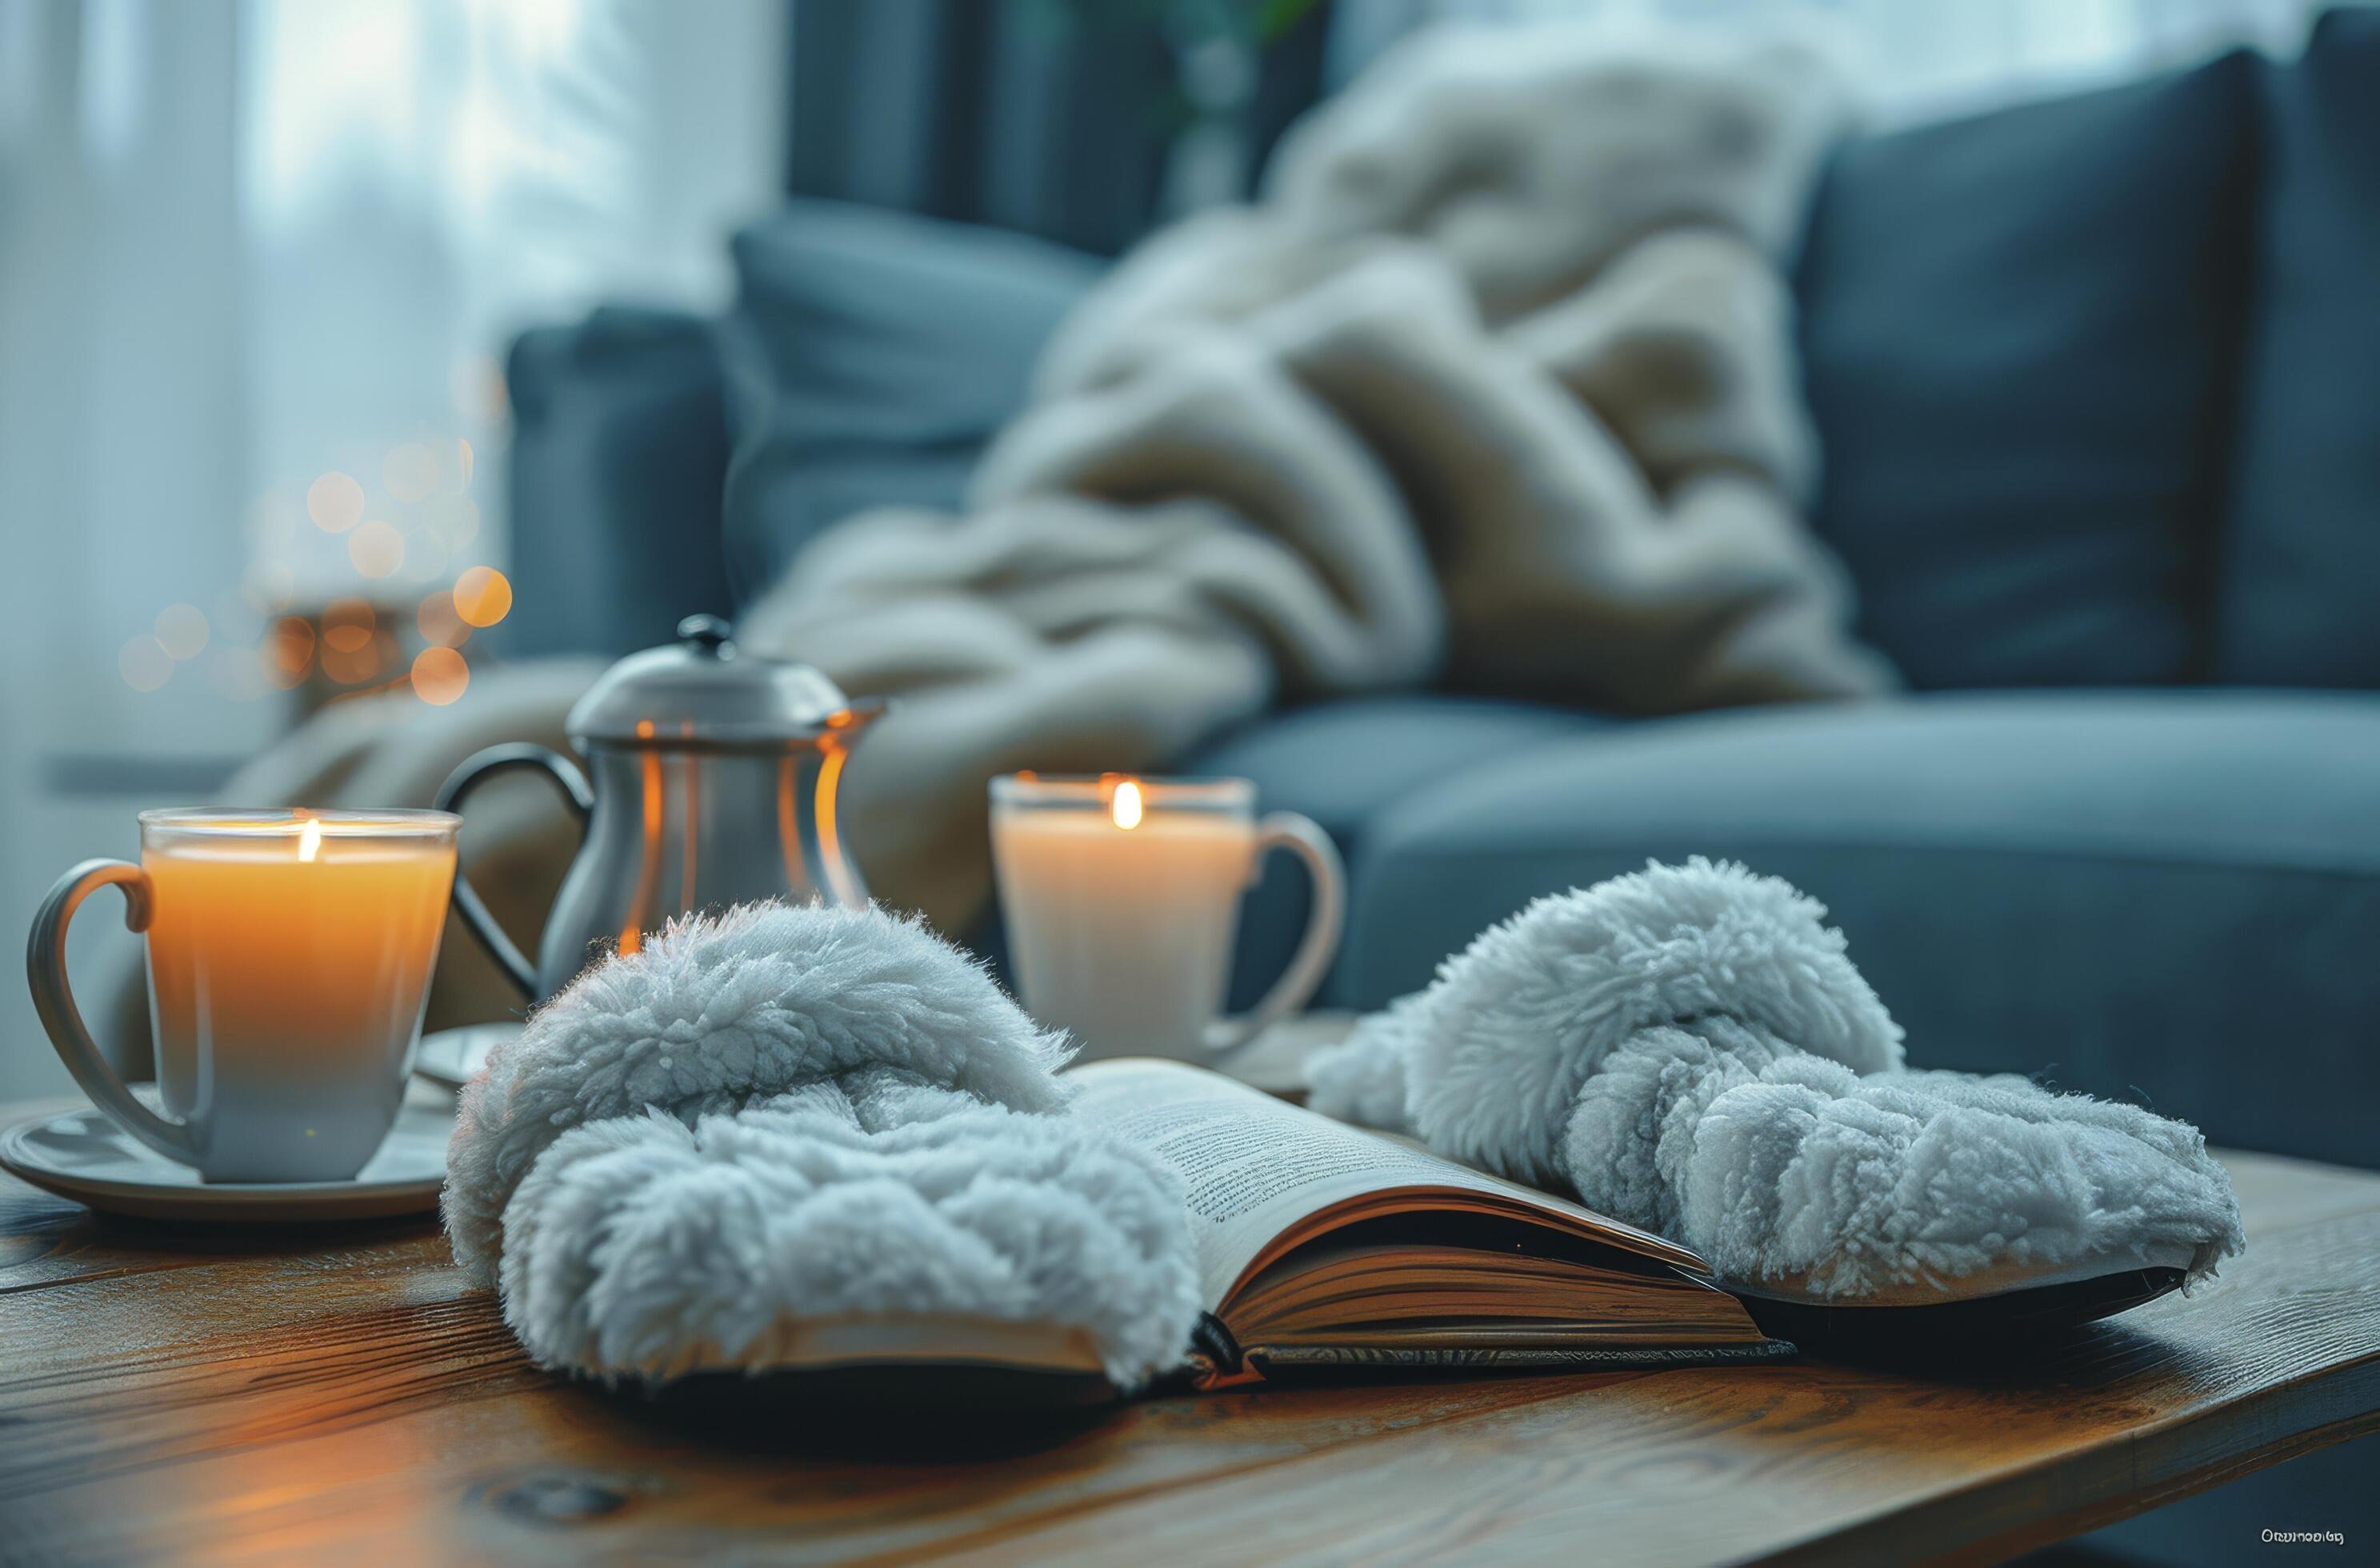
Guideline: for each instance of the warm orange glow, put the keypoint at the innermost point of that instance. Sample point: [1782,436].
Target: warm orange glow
[144,663]
[482,596]
[837,872]
[376,548]
[288,651]
[632,934]
[348,625]
[410,471]
[438,623]
[335,501]
[440,675]
[352,666]
[1126,804]
[181,631]
[311,972]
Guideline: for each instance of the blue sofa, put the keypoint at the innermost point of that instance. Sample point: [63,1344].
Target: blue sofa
[2097,381]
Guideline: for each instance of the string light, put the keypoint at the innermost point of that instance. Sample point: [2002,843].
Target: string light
[376,548]
[144,663]
[335,501]
[288,652]
[440,675]
[482,596]
[348,625]
[181,631]
[438,623]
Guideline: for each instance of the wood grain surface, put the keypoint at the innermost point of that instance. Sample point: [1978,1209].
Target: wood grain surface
[340,1395]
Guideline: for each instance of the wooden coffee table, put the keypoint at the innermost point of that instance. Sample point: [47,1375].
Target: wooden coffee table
[340,1396]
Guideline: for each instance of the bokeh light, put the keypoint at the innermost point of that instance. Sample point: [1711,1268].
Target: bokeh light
[351,666]
[288,652]
[438,623]
[410,471]
[440,675]
[335,501]
[482,596]
[464,460]
[182,631]
[144,663]
[347,624]
[376,548]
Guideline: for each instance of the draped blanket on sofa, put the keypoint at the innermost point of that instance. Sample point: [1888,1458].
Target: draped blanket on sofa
[1493,386]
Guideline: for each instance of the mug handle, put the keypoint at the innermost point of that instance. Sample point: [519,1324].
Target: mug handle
[45,973]
[476,770]
[1304,838]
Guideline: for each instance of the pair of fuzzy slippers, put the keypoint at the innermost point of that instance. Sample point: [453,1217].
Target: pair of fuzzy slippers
[788,1115]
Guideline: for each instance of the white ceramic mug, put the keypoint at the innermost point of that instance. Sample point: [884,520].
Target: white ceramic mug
[1122,899]
[290,960]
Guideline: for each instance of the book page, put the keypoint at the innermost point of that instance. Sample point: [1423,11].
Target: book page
[1254,1166]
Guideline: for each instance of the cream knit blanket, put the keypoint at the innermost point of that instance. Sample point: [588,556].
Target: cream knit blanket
[1495,383]
[1494,386]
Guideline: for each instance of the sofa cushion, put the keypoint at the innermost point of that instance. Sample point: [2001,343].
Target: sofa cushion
[2019,332]
[613,474]
[2302,557]
[2173,895]
[873,352]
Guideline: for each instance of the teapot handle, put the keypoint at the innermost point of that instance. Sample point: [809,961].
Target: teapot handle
[476,770]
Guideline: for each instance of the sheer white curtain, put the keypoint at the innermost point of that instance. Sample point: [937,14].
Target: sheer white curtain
[248,243]
[1919,58]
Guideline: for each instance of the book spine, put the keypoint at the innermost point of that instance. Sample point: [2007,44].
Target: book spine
[1216,1360]
[1279,1360]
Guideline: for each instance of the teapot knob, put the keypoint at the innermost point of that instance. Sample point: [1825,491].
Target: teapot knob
[711,634]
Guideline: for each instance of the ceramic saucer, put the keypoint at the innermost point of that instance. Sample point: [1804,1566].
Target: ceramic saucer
[83,1156]
[454,1057]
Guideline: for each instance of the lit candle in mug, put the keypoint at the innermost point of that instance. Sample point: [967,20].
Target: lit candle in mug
[1121,896]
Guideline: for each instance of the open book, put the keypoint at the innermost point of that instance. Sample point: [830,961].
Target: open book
[1324,1248]
[1329,1250]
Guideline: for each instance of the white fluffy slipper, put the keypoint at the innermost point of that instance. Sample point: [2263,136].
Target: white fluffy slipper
[788,1115]
[1691,1049]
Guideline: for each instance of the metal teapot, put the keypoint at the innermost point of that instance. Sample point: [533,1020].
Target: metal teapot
[713,782]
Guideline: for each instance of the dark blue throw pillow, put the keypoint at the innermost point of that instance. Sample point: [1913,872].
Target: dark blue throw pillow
[871,355]
[2020,333]
[2300,598]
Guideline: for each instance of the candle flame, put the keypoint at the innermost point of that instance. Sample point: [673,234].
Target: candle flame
[1125,806]
[310,840]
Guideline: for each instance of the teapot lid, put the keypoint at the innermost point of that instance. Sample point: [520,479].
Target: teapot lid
[703,688]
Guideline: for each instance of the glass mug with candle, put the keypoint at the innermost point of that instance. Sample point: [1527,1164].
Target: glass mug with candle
[1121,898]
[290,960]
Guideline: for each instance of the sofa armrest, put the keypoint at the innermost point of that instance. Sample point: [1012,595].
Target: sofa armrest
[618,461]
